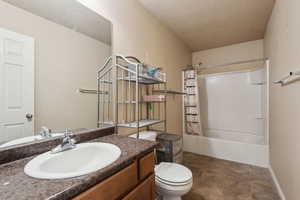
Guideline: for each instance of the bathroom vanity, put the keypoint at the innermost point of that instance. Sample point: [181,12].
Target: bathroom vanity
[131,183]
[130,177]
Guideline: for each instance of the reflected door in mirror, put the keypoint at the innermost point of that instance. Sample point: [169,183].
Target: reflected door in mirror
[48,51]
[16,85]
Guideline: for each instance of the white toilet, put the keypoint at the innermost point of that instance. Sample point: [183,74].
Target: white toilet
[172,180]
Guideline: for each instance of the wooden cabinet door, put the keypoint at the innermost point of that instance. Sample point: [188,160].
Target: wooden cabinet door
[146,166]
[145,191]
[114,187]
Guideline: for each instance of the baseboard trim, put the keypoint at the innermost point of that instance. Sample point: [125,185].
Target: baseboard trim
[281,194]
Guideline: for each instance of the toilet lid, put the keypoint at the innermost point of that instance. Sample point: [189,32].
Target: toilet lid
[173,173]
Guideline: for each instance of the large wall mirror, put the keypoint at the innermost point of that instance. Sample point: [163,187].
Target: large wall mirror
[49,52]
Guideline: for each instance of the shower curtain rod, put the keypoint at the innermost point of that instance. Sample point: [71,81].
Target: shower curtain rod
[231,63]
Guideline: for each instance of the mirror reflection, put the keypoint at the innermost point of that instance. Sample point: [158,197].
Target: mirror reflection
[49,55]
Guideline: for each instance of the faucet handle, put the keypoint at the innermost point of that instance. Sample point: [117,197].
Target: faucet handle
[45,129]
[67,142]
[45,132]
[68,133]
[68,136]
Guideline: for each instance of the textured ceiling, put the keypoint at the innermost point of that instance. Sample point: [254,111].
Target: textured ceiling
[206,24]
[71,14]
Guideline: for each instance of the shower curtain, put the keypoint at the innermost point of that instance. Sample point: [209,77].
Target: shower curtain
[191,104]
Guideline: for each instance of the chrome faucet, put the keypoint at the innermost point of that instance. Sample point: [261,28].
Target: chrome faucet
[45,132]
[67,143]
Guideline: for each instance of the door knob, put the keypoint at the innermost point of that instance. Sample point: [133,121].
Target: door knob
[29,116]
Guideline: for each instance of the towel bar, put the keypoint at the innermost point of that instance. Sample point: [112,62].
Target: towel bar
[90,91]
[285,80]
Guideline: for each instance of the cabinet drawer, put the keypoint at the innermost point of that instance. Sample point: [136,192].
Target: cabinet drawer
[146,165]
[144,191]
[113,187]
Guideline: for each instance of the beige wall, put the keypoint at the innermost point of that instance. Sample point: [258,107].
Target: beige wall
[282,46]
[137,33]
[64,61]
[238,52]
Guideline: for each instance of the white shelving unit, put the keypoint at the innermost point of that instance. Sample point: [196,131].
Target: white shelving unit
[121,87]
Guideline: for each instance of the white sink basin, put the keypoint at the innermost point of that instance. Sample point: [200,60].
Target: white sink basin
[84,159]
[28,139]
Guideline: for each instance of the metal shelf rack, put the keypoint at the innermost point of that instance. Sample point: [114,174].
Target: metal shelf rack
[123,83]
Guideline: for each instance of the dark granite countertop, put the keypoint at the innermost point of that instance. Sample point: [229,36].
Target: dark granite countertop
[16,185]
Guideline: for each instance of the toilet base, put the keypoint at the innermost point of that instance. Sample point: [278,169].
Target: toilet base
[171,198]
[167,198]
[166,192]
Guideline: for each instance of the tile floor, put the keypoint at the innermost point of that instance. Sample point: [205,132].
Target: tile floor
[216,179]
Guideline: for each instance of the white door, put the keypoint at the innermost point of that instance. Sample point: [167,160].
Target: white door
[16,85]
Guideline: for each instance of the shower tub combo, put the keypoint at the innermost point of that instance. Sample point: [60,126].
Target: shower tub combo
[232,115]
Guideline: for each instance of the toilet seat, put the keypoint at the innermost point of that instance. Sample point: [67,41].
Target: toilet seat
[160,181]
[173,174]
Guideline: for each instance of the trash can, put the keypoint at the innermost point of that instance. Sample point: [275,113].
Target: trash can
[170,148]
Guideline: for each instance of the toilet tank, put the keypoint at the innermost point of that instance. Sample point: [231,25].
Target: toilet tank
[146,135]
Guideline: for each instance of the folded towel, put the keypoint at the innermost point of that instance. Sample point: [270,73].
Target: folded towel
[145,69]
